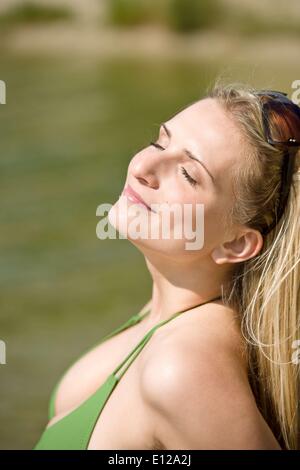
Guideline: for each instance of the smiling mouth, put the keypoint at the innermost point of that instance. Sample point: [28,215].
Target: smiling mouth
[135,198]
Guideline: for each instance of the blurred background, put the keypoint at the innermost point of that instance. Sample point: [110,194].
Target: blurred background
[87,83]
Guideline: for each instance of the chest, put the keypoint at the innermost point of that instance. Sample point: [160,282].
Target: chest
[125,421]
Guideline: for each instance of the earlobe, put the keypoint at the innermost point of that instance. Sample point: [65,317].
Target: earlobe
[240,249]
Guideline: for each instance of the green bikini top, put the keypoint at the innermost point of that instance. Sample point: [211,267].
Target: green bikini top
[73,431]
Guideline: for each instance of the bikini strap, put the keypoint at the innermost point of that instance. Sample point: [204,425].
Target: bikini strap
[133,354]
[130,322]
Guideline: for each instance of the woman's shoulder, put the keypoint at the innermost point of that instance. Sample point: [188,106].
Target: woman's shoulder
[201,331]
[199,379]
[200,343]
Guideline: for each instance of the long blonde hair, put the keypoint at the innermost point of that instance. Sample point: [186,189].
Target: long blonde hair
[265,290]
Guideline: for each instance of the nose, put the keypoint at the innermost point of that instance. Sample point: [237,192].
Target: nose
[145,167]
[150,165]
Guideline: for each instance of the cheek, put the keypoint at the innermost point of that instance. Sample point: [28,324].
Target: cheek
[215,221]
[181,193]
[189,206]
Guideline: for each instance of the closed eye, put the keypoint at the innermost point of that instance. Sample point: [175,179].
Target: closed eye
[183,170]
[157,145]
[188,177]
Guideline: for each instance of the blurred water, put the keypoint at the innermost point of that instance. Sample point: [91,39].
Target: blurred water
[68,131]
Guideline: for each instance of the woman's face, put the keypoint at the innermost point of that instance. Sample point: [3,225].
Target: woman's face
[191,166]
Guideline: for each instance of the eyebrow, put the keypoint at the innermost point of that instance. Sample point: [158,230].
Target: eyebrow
[190,154]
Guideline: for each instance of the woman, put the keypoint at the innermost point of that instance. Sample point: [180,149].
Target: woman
[218,372]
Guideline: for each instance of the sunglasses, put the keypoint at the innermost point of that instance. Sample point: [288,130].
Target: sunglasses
[284,114]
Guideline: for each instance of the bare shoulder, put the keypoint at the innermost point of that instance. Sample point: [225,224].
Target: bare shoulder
[197,390]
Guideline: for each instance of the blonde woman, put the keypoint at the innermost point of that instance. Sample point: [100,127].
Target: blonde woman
[210,360]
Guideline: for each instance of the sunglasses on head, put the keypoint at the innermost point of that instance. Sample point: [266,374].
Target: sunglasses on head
[284,115]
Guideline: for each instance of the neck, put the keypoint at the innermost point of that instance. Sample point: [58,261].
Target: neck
[180,286]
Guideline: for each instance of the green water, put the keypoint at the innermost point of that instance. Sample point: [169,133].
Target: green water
[68,132]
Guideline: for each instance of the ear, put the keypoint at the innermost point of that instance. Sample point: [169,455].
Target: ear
[241,248]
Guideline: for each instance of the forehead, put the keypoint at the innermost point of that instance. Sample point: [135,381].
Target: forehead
[207,130]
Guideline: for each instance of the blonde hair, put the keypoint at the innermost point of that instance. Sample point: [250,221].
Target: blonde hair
[265,289]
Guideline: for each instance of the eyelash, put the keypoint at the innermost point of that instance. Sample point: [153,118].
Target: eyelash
[183,170]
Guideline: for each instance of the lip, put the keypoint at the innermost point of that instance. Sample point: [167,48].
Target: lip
[135,197]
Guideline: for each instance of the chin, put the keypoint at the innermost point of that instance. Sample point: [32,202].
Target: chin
[123,217]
